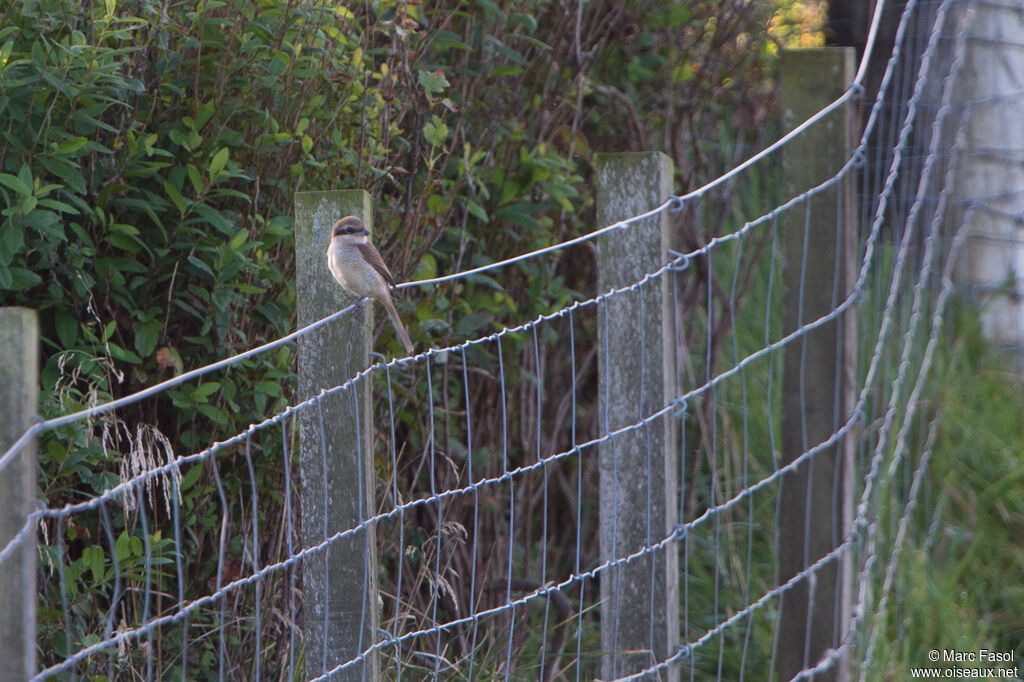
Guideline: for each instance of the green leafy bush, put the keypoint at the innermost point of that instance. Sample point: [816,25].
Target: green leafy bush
[148,159]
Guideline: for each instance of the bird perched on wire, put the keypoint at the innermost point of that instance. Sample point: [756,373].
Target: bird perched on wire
[358,267]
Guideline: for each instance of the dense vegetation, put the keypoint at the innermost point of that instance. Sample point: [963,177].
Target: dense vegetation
[151,150]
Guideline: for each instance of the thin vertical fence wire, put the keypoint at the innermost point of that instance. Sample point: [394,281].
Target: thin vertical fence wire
[493,607]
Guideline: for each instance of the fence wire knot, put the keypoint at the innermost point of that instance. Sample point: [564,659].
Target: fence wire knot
[680,261]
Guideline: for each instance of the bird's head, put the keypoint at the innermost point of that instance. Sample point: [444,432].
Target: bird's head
[349,226]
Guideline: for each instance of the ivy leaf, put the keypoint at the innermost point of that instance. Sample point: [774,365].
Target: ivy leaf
[433,82]
[435,131]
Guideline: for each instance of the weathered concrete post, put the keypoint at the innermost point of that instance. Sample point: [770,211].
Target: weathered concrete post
[815,246]
[335,459]
[19,389]
[638,477]
[992,268]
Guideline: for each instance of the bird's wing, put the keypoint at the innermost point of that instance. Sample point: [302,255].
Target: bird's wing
[372,256]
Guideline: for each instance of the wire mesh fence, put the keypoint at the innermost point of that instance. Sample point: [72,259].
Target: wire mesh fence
[481,534]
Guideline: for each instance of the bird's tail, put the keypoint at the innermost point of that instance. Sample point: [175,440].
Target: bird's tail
[403,335]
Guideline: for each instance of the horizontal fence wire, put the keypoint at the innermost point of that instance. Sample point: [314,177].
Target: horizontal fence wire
[485,513]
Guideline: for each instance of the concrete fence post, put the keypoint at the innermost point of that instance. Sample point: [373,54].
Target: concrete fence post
[19,393]
[817,242]
[638,468]
[991,270]
[340,615]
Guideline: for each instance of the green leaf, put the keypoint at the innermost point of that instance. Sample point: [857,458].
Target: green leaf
[518,214]
[15,183]
[202,267]
[92,557]
[271,388]
[22,279]
[146,335]
[25,175]
[220,159]
[477,211]
[504,50]
[433,82]
[12,239]
[28,204]
[205,390]
[205,112]
[436,204]
[247,288]
[435,131]
[177,137]
[58,206]
[239,239]
[492,8]
[135,546]
[447,39]
[190,477]
[486,281]
[123,354]
[197,180]
[122,547]
[67,328]
[427,268]
[70,173]
[470,324]
[71,146]
[215,218]
[213,413]
[175,196]
[526,20]
[126,242]
[506,70]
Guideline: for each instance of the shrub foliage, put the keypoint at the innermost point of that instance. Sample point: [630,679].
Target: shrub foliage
[148,159]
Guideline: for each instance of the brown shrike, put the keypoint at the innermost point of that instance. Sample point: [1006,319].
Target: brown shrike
[358,267]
